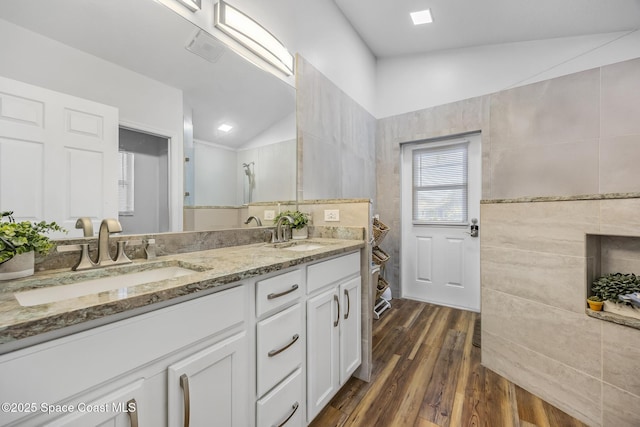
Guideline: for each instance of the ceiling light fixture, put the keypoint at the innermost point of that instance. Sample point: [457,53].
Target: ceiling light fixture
[421,17]
[193,5]
[253,36]
[225,127]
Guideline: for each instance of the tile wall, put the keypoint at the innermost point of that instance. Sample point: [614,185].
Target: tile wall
[336,140]
[577,135]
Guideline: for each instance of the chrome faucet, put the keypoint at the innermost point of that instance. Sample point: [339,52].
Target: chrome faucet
[258,222]
[104,258]
[280,234]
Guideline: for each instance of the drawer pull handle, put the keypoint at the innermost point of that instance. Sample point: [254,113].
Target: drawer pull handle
[280,350]
[274,296]
[346,293]
[132,410]
[184,383]
[295,408]
[337,300]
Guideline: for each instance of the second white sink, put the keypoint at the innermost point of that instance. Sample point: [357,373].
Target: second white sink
[303,247]
[51,294]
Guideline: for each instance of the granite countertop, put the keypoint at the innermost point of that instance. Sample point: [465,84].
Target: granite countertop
[213,270]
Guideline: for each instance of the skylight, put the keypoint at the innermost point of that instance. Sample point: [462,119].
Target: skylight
[421,17]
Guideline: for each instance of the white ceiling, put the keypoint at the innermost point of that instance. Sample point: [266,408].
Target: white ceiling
[386,27]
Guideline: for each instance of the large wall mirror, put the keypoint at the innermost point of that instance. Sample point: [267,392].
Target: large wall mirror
[198,125]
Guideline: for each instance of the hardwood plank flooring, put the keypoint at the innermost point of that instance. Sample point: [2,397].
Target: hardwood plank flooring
[427,373]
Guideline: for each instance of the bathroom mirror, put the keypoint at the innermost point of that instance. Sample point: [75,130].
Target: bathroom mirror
[167,78]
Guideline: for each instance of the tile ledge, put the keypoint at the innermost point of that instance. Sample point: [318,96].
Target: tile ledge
[614,318]
[604,196]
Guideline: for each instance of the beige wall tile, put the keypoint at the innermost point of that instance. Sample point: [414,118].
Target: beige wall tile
[620,254]
[620,217]
[619,408]
[620,356]
[558,334]
[619,171]
[551,227]
[572,391]
[620,95]
[556,111]
[546,170]
[556,280]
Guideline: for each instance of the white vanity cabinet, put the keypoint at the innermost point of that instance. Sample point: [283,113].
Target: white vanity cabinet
[267,351]
[333,328]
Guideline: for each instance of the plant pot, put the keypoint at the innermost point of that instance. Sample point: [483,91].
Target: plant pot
[621,309]
[595,305]
[17,267]
[299,233]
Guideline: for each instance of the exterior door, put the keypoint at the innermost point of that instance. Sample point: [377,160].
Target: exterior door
[58,156]
[441,190]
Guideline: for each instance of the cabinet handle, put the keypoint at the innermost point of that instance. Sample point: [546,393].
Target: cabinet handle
[184,383]
[295,408]
[346,293]
[280,350]
[133,415]
[273,296]
[337,300]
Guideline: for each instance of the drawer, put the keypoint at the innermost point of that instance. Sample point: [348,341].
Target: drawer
[327,272]
[277,291]
[283,406]
[279,347]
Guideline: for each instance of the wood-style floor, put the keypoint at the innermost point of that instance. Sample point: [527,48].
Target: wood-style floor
[427,373]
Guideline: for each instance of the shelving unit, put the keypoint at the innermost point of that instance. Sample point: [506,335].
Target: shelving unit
[379,260]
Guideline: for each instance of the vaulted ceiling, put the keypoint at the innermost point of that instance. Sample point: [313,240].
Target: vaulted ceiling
[386,27]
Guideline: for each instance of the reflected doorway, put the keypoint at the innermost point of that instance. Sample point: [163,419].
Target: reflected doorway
[143,182]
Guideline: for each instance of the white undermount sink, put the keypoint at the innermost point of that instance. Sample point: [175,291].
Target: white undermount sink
[51,294]
[296,246]
[303,247]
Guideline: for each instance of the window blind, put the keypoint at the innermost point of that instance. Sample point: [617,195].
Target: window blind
[440,185]
[125,183]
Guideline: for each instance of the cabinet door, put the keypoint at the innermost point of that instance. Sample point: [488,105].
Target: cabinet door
[121,408]
[211,387]
[323,339]
[350,345]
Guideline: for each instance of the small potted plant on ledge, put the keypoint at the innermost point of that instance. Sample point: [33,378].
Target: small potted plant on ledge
[299,228]
[18,243]
[595,303]
[612,288]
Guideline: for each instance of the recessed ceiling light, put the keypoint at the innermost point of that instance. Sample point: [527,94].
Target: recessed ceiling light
[225,128]
[421,17]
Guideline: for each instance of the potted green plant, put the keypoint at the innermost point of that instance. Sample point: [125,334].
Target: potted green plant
[611,286]
[595,303]
[18,243]
[299,228]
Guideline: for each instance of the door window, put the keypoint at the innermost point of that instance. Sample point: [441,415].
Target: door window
[440,185]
